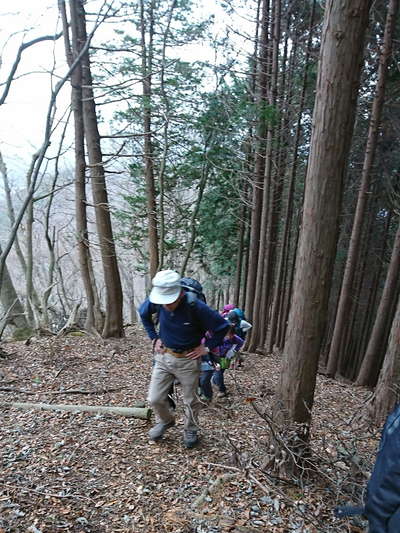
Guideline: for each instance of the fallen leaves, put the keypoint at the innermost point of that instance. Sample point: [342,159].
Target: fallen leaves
[82,473]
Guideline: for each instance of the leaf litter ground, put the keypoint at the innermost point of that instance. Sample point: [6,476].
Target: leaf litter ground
[81,472]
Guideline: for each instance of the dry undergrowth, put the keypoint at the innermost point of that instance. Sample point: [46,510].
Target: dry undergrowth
[84,473]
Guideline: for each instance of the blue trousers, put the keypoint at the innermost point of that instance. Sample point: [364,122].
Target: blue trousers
[205,383]
[218,379]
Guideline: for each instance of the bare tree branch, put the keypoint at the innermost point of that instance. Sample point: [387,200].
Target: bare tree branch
[14,67]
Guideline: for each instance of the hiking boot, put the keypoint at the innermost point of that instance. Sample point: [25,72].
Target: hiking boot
[190,438]
[222,394]
[157,431]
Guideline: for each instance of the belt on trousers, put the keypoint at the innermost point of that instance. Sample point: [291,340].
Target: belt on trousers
[179,355]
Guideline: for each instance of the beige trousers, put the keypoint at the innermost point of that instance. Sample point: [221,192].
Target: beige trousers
[166,369]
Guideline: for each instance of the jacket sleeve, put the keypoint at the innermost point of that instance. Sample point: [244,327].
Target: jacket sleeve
[214,323]
[238,342]
[245,326]
[146,312]
[382,501]
[218,336]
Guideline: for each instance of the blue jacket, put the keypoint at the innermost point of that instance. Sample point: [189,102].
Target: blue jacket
[382,503]
[184,327]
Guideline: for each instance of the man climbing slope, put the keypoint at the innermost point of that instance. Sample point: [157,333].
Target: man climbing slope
[177,350]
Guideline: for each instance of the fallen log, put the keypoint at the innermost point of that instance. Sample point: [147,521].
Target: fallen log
[66,391]
[135,412]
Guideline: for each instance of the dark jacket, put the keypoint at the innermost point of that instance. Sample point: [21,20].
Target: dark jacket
[186,326]
[382,503]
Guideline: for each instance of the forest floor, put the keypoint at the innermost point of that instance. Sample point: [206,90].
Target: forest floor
[81,472]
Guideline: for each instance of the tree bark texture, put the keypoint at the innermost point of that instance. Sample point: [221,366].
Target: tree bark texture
[373,356]
[113,326]
[387,389]
[148,156]
[259,164]
[94,317]
[345,298]
[281,284]
[265,251]
[10,301]
[333,120]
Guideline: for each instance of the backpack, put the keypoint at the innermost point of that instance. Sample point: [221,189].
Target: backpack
[194,292]
[239,313]
[193,289]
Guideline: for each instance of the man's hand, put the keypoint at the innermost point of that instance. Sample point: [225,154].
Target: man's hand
[197,352]
[158,346]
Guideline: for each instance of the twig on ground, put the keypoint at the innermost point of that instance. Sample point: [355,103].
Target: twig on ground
[211,488]
[47,494]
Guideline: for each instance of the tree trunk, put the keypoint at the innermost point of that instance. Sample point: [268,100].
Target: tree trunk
[29,253]
[94,318]
[147,65]
[345,298]
[333,120]
[370,366]
[11,216]
[113,325]
[259,165]
[387,389]
[261,296]
[11,302]
[280,286]
[238,289]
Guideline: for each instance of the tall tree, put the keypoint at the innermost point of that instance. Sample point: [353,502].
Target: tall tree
[12,306]
[268,205]
[94,317]
[343,307]
[333,120]
[147,23]
[369,370]
[387,392]
[113,324]
[261,89]
[281,286]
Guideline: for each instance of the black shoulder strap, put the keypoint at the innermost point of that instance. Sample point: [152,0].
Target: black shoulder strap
[157,318]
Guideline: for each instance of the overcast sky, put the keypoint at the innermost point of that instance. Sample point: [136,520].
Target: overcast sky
[22,117]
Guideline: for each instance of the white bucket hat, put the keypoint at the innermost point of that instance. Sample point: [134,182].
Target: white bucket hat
[166,287]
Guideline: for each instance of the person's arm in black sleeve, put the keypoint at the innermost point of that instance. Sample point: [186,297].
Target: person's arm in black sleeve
[383,502]
[146,312]
[215,324]
[383,491]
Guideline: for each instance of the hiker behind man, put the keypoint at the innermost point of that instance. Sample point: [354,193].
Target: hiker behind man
[241,327]
[227,352]
[177,350]
[207,370]
[226,309]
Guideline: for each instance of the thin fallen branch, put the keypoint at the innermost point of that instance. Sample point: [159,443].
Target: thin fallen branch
[47,494]
[82,391]
[67,391]
[134,412]
[59,372]
[211,488]
[13,389]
